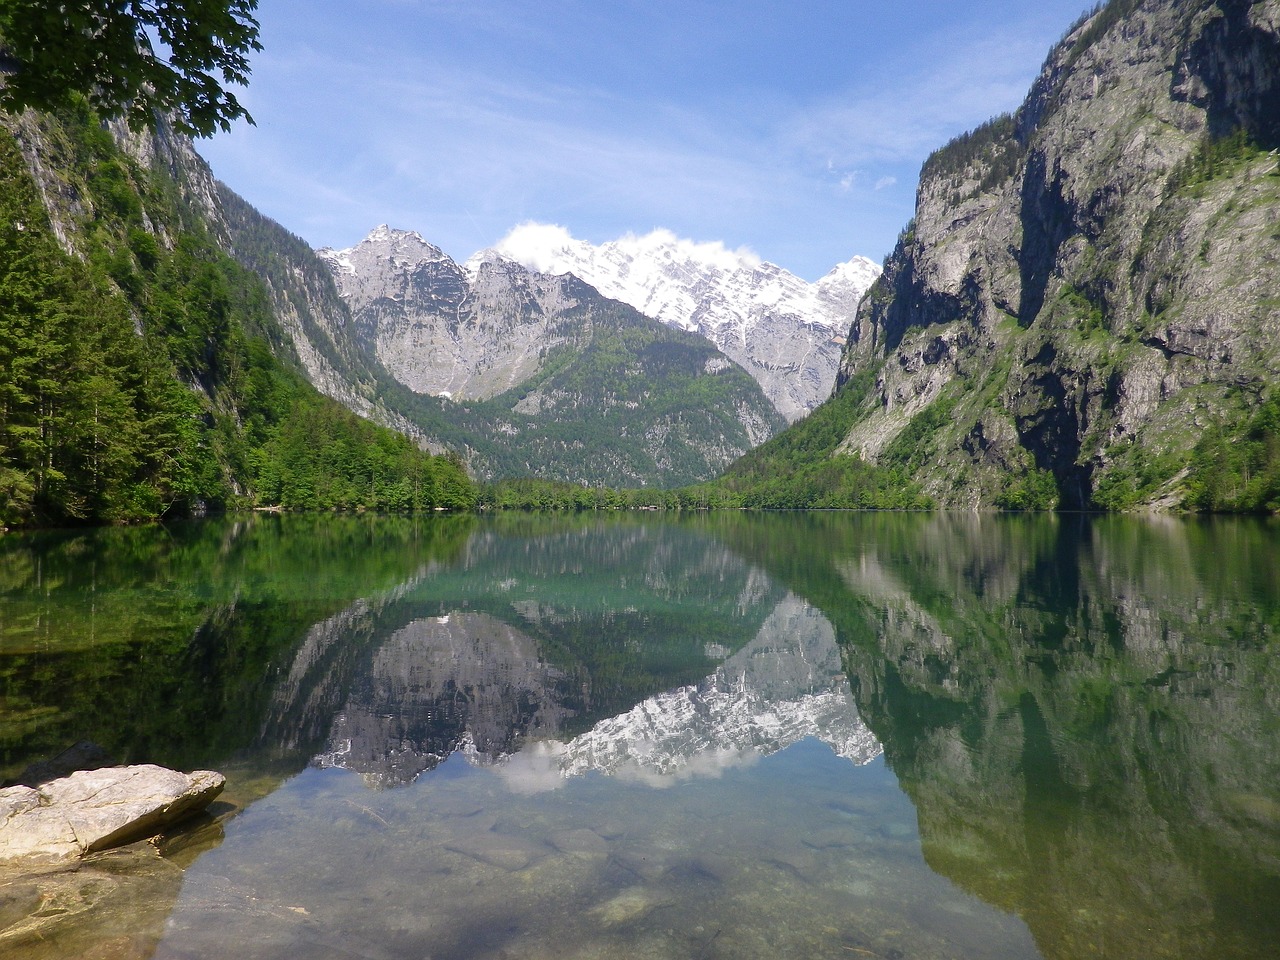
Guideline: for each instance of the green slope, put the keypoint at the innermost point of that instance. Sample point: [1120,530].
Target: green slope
[144,374]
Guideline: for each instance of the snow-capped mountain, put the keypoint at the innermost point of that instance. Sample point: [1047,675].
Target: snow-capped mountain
[441,330]
[571,371]
[786,332]
[786,685]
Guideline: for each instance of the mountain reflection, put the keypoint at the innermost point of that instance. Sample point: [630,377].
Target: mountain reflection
[468,683]
[1083,713]
[459,682]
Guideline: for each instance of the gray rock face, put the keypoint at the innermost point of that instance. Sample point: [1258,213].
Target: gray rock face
[440,332]
[1080,295]
[787,333]
[93,810]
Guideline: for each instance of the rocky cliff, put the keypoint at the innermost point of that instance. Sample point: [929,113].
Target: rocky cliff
[1089,288]
[442,331]
[787,333]
[539,375]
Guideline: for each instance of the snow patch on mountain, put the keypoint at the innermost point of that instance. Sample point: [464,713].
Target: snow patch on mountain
[788,333]
[785,686]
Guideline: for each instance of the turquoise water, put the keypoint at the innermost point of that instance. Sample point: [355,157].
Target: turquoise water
[826,735]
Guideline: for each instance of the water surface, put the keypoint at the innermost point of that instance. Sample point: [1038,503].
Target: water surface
[844,735]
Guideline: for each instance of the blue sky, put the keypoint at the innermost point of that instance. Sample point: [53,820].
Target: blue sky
[794,129]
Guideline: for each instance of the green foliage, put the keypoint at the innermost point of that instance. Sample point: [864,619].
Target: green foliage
[1035,490]
[910,448]
[103,50]
[144,381]
[1088,316]
[803,467]
[1135,477]
[90,417]
[1215,157]
[1238,470]
[322,456]
[993,149]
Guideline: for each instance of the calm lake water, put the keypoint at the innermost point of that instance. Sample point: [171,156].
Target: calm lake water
[827,735]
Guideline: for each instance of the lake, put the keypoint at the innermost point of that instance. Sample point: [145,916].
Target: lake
[726,735]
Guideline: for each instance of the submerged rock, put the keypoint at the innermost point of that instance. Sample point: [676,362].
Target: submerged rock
[632,904]
[93,810]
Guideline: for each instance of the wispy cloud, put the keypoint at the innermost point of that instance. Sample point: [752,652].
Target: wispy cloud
[948,90]
[464,144]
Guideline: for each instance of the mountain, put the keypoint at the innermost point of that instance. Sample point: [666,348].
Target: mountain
[537,375]
[1085,310]
[148,373]
[471,684]
[441,331]
[784,331]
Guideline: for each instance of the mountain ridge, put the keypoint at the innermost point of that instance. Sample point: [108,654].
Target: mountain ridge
[786,332]
[542,376]
[1083,312]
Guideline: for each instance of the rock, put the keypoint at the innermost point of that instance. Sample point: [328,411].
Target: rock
[496,850]
[632,904]
[93,810]
[1081,287]
[579,843]
[114,904]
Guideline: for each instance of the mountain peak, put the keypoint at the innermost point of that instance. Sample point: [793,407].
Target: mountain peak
[403,248]
[785,331]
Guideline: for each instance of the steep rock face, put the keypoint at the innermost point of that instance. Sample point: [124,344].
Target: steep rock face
[1090,284]
[787,333]
[540,375]
[442,332]
[303,297]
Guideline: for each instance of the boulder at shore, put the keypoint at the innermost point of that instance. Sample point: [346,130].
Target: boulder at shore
[93,810]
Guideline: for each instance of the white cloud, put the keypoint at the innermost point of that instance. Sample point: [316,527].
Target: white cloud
[460,148]
[536,245]
[535,769]
[711,252]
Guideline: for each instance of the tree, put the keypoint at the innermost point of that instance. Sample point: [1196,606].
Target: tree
[130,58]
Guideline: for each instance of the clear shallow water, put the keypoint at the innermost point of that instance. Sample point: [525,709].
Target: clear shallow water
[792,856]
[785,736]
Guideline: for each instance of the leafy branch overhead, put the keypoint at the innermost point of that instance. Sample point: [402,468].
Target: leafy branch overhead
[130,59]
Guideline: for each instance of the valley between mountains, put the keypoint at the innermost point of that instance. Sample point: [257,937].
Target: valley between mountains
[1083,313]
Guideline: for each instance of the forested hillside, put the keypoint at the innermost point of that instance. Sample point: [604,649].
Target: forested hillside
[142,371]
